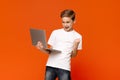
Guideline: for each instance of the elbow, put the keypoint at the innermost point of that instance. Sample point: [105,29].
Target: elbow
[74,55]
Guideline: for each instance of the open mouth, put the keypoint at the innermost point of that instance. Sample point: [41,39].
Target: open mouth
[66,27]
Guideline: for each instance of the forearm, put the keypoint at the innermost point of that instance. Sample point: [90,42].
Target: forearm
[74,51]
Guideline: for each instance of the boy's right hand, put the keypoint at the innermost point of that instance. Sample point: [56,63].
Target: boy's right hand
[39,45]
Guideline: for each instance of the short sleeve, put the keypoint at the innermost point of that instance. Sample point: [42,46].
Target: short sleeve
[51,39]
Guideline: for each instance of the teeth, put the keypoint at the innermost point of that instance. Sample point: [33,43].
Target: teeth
[66,27]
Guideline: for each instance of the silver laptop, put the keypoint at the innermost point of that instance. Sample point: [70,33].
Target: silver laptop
[40,35]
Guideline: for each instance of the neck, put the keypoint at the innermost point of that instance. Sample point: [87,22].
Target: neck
[68,30]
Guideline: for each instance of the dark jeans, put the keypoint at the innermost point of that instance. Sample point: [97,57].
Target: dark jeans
[52,73]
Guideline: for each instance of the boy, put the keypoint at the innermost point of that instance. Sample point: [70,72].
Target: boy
[68,41]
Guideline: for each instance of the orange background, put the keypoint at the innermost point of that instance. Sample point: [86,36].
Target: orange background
[97,20]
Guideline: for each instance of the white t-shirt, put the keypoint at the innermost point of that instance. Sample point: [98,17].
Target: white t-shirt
[63,41]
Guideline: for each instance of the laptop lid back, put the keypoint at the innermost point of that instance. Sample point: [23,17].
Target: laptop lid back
[38,35]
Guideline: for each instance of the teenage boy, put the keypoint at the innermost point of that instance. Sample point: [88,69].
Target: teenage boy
[68,41]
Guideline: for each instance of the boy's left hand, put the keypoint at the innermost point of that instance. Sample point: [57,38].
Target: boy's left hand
[77,40]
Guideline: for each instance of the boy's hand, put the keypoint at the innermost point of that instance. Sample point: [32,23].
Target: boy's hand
[76,43]
[77,40]
[75,46]
[39,45]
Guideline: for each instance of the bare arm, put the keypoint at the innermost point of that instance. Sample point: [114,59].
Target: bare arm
[75,46]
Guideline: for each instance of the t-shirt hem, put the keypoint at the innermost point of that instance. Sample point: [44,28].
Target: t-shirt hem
[59,67]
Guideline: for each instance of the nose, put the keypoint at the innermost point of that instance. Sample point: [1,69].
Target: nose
[65,24]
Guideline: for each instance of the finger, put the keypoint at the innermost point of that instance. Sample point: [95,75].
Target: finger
[38,42]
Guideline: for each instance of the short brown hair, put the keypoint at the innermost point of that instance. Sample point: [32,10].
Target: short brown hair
[68,13]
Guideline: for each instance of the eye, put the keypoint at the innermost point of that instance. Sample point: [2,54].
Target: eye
[67,22]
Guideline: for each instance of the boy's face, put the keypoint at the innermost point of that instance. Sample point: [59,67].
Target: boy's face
[67,23]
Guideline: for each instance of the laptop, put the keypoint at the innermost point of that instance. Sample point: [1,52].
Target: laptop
[40,35]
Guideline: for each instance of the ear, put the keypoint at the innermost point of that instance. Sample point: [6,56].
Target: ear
[74,21]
